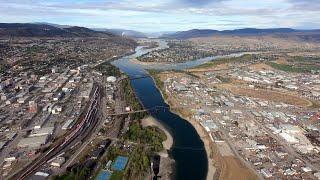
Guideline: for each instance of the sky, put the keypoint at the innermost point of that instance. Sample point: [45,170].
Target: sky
[166,15]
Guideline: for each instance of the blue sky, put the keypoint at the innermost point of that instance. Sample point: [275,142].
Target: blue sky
[166,15]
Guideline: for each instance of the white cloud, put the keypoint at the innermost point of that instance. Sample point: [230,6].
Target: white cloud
[166,14]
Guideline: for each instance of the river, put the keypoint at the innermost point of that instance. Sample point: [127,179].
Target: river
[188,149]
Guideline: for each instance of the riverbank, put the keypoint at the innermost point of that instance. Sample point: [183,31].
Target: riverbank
[136,61]
[205,139]
[200,130]
[166,169]
[150,121]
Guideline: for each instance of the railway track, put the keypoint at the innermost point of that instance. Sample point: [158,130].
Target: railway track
[79,133]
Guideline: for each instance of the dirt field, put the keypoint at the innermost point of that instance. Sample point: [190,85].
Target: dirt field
[282,60]
[260,67]
[268,95]
[224,149]
[313,53]
[232,169]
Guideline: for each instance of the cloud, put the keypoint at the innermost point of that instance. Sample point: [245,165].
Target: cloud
[199,3]
[165,14]
[306,5]
[304,1]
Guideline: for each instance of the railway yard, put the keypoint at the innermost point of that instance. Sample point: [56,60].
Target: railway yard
[57,122]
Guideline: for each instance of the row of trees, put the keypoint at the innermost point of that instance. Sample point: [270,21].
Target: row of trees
[139,164]
[291,68]
[242,59]
[151,136]
[108,69]
[158,82]
[77,173]
[131,100]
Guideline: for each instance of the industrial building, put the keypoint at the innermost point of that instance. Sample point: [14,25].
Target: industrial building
[68,124]
[58,162]
[111,79]
[42,132]
[33,142]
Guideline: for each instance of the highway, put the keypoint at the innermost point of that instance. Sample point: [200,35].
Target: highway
[87,123]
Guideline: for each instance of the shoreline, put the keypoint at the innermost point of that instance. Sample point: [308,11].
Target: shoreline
[151,63]
[167,165]
[136,61]
[206,142]
[200,131]
[151,121]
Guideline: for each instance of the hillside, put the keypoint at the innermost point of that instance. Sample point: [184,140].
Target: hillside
[45,30]
[124,32]
[286,33]
[191,34]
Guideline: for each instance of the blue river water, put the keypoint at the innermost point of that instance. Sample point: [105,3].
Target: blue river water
[188,149]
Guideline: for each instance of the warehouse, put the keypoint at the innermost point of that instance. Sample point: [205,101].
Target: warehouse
[42,131]
[289,138]
[68,124]
[33,142]
[111,79]
[58,162]
[288,128]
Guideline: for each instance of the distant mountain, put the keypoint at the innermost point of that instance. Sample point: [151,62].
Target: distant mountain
[190,34]
[123,32]
[253,31]
[194,33]
[81,31]
[45,30]
[54,25]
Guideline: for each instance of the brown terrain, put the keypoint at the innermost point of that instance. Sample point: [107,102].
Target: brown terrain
[282,60]
[255,43]
[232,168]
[268,95]
[260,67]
[218,67]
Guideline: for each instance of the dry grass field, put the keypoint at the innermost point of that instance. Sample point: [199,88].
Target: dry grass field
[260,67]
[233,169]
[282,60]
[218,67]
[268,95]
